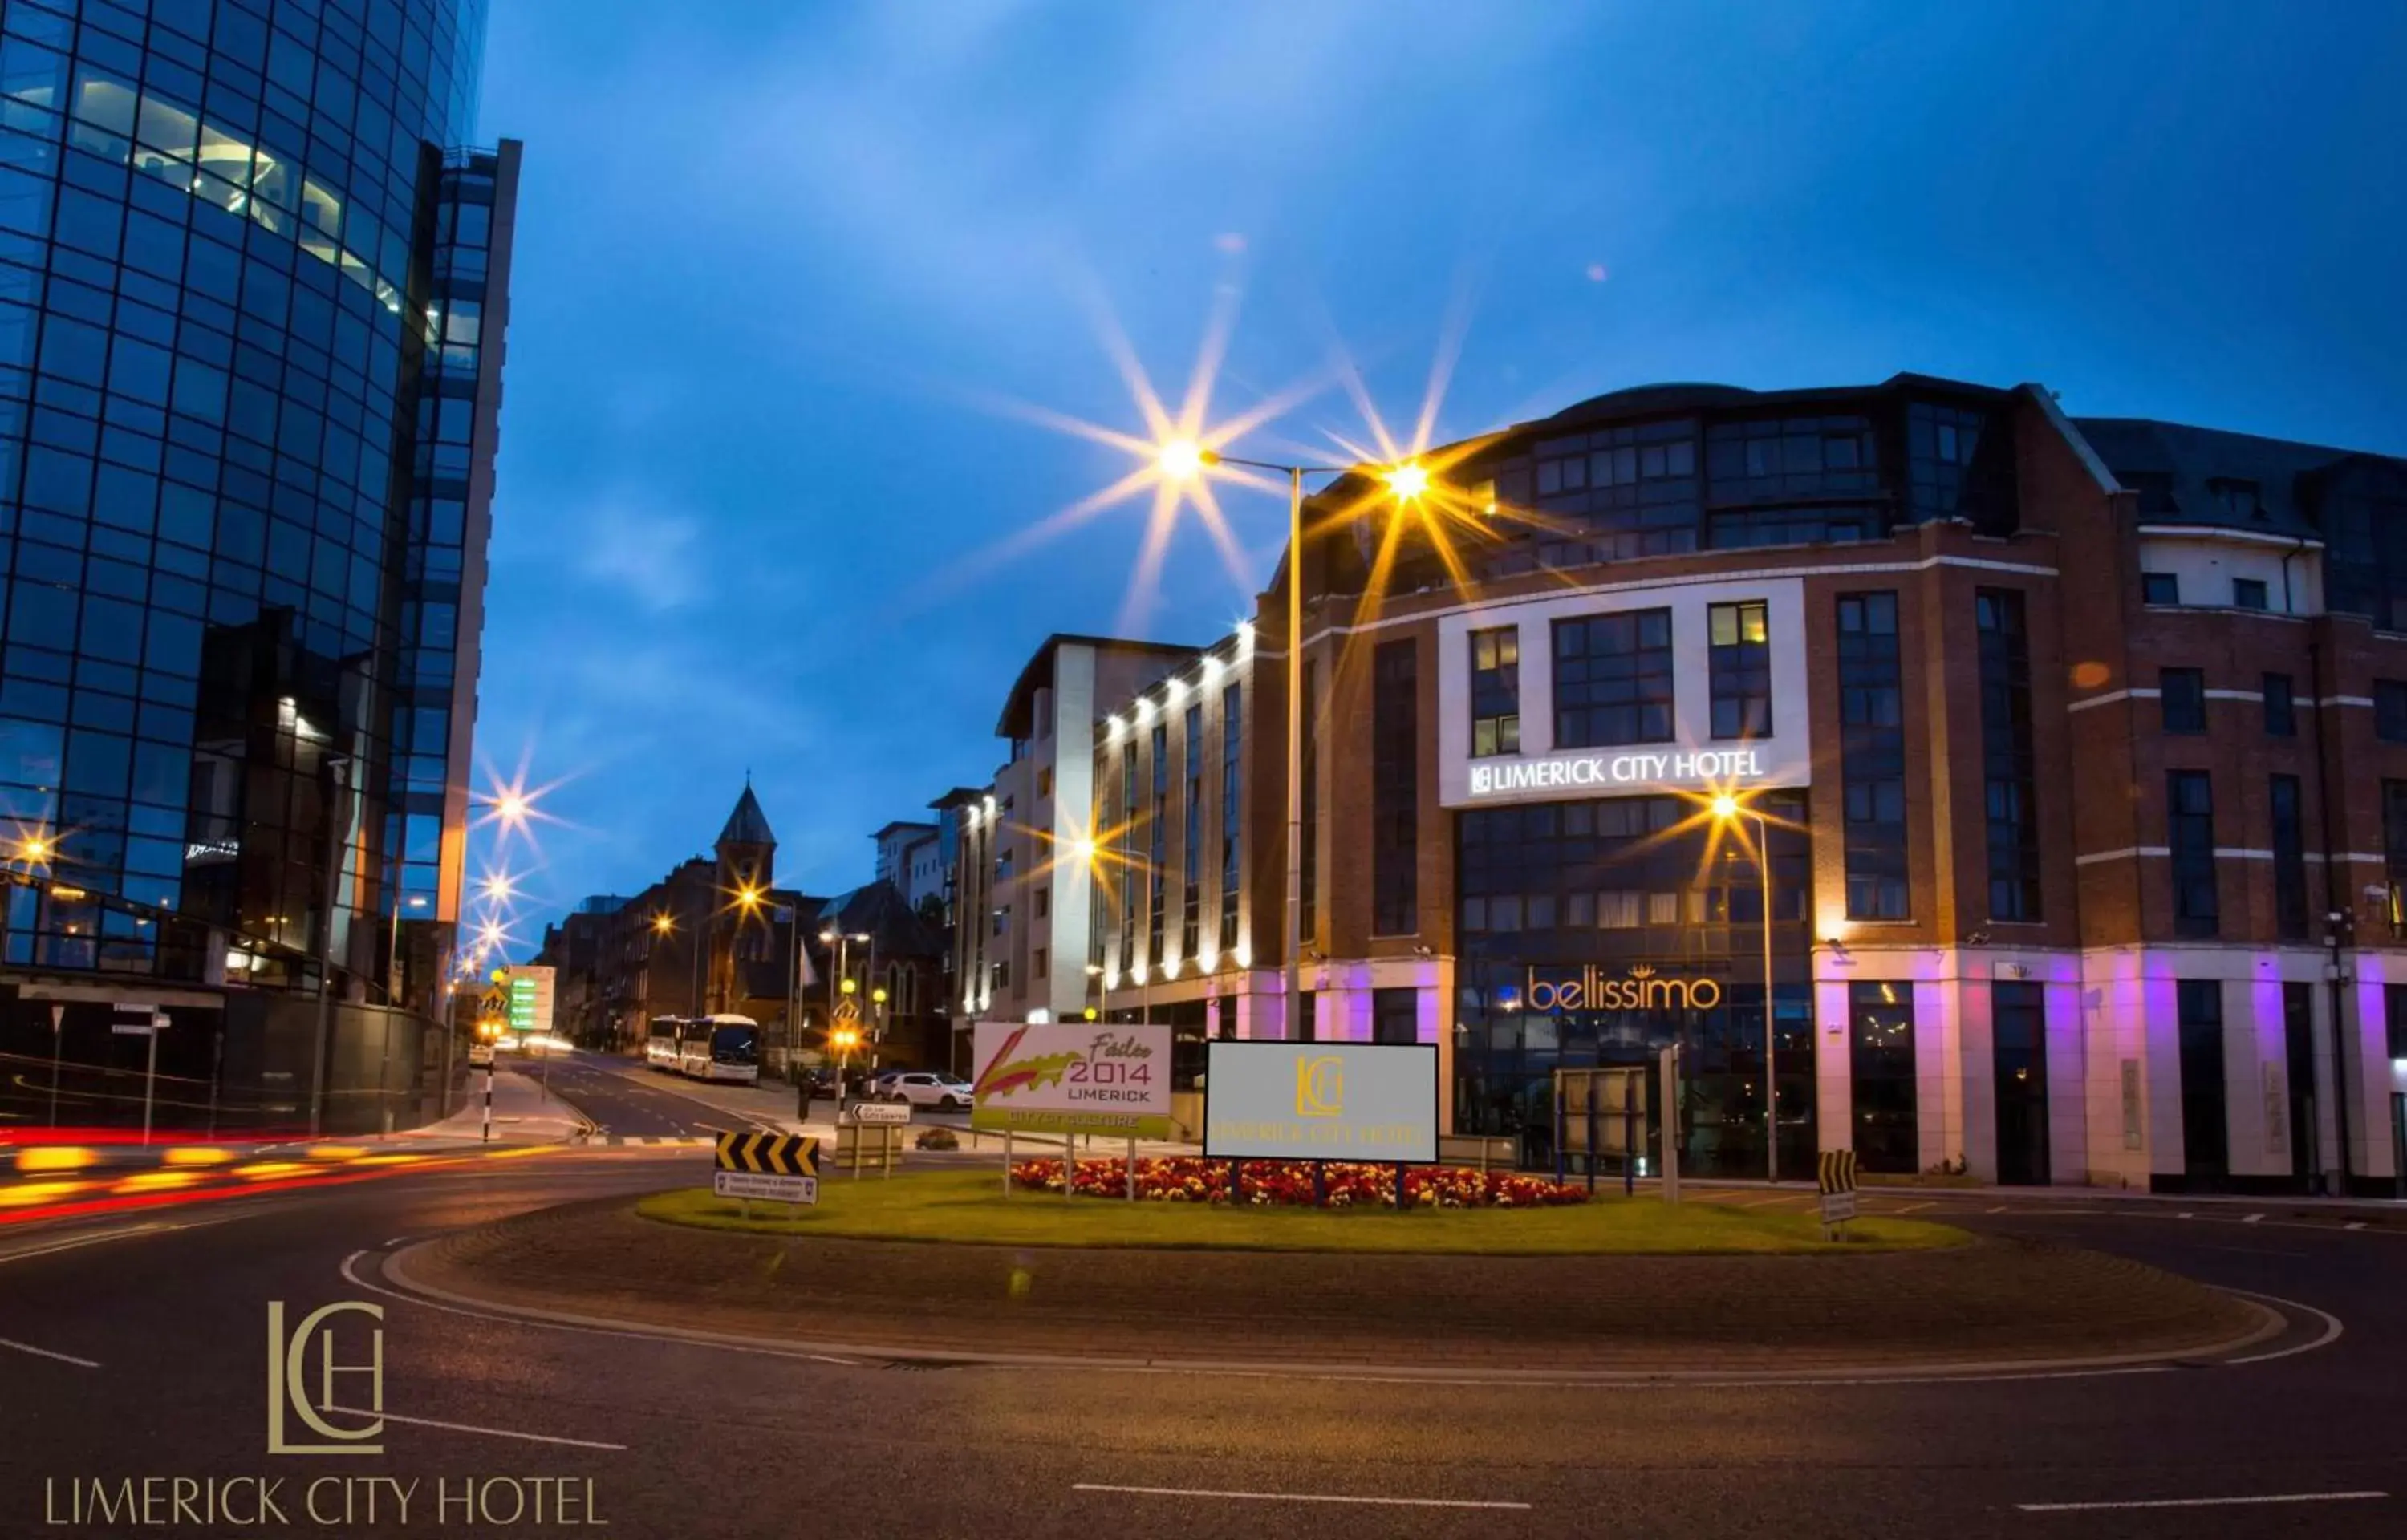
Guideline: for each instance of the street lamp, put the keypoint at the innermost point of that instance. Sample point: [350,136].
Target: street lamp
[392,946]
[1729,811]
[1186,459]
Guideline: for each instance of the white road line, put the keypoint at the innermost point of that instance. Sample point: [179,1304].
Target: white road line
[502,1319]
[2252,1219]
[2209,1502]
[1300,1497]
[72,1243]
[45,1352]
[2354,1224]
[1915,1207]
[489,1433]
[2331,1332]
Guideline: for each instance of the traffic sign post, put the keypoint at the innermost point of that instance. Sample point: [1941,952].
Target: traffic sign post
[143,1020]
[783,1167]
[1837,1180]
[871,1130]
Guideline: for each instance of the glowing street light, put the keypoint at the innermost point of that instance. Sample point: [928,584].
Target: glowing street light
[661,923]
[1407,481]
[1183,459]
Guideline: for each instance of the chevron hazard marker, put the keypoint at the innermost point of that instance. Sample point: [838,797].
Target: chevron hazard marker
[782,1168]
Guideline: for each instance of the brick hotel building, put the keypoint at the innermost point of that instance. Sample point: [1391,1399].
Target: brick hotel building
[2081,748]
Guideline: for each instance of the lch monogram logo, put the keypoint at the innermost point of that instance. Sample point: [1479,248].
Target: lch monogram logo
[1320,1086]
[288,1380]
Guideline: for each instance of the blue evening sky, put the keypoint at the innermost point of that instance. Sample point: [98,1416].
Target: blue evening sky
[775,261]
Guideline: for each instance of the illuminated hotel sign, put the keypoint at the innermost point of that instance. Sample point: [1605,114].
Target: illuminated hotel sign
[1705,767]
[1641,990]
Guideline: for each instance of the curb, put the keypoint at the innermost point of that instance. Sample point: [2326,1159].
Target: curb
[2270,1323]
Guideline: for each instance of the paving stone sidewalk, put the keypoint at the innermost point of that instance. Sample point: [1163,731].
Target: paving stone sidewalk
[1993,1300]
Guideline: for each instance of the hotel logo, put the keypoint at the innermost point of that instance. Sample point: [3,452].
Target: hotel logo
[1319,1085]
[290,1392]
[1639,990]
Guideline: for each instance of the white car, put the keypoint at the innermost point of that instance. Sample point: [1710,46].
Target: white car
[921,1088]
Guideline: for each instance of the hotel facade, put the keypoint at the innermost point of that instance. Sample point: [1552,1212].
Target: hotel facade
[2071,756]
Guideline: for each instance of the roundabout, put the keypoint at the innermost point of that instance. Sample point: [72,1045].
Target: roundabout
[943,1268]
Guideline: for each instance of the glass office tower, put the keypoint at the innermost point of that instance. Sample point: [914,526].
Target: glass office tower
[252,290]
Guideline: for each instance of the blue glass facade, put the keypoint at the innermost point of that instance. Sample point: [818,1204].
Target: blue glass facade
[251,292]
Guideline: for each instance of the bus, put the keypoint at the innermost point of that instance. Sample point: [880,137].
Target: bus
[661,1047]
[720,1048]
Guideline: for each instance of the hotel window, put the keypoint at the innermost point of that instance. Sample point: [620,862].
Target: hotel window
[2198,1010]
[1949,478]
[1496,691]
[1395,1016]
[1613,680]
[1191,856]
[1881,1063]
[1001,975]
[2394,847]
[1044,901]
[1308,880]
[2190,833]
[2184,699]
[2390,709]
[2009,761]
[1158,846]
[1036,961]
[1232,741]
[2159,589]
[2394,1020]
[1395,789]
[1044,780]
[2281,707]
[1739,668]
[1872,755]
[2290,859]
[2248,593]
[2237,499]
[1127,822]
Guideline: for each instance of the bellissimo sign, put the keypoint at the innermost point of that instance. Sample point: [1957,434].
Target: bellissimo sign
[1641,990]
[1703,767]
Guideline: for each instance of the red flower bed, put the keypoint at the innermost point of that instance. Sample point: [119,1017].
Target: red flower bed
[1187,1180]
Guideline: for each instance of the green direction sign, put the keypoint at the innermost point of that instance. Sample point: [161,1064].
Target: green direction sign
[522,1003]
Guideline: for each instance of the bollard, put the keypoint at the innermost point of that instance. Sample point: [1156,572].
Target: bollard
[1591,1135]
[1400,1187]
[1236,1183]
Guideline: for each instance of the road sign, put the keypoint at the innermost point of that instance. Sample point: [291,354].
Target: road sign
[746,1184]
[770,1155]
[879,1113]
[135,1020]
[480,1053]
[847,1009]
[531,995]
[1836,1170]
[781,1166]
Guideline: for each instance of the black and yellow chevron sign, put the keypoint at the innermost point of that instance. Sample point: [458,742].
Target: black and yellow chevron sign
[1838,1171]
[770,1155]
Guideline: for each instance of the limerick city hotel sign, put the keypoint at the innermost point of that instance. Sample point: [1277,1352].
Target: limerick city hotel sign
[1640,990]
[1703,767]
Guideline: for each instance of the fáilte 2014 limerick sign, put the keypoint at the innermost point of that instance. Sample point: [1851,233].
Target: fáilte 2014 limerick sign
[1072,1078]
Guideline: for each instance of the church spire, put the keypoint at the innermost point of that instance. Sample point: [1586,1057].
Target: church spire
[748,824]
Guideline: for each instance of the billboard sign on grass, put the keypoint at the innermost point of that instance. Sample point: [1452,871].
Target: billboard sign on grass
[1072,1078]
[1321,1101]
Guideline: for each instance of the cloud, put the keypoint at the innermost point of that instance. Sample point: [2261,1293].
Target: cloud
[654,557]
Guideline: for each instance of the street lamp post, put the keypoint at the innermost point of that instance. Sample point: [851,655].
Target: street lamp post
[1184,459]
[1728,809]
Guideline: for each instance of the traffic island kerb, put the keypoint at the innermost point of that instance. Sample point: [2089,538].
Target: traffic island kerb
[1987,1306]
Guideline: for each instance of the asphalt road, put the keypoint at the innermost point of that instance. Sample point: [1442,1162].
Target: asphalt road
[630,1100]
[153,1327]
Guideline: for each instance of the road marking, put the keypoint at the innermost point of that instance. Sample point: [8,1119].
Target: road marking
[504,1320]
[2252,1219]
[45,1352]
[2331,1332]
[2354,1224]
[489,1433]
[73,1243]
[2186,1214]
[1913,1207]
[2209,1502]
[1999,1209]
[1300,1497]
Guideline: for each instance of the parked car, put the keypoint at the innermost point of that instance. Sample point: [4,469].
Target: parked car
[922,1088]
